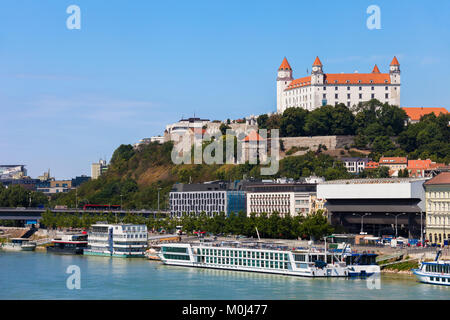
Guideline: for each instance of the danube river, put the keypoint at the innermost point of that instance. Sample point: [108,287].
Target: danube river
[38,275]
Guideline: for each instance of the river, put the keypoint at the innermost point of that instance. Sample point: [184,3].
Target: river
[39,275]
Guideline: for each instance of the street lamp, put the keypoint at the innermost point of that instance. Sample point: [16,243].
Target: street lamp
[158,198]
[421,229]
[396,216]
[362,220]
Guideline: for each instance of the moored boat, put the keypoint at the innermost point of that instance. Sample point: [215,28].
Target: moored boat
[434,272]
[69,244]
[254,257]
[362,264]
[152,254]
[19,244]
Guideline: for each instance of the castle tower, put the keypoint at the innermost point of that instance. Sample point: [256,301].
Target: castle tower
[317,72]
[394,72]
[284,77]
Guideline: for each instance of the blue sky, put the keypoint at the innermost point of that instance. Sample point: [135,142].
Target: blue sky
[70,97]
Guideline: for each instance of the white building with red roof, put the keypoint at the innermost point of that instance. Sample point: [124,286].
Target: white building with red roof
[319,88]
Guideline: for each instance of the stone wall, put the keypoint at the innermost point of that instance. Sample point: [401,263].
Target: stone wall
[331,142]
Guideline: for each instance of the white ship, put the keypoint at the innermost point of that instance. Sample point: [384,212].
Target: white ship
[254,257]
[434,272]
[19,244]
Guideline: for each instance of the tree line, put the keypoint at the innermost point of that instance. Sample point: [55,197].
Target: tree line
[379,127]
[313,226]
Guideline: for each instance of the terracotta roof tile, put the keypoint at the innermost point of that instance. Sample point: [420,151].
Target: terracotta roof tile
[317,62]
[442,178]
[285,65]
[415,113]
[375,69]
[253,136]
[393,160]
[395,62]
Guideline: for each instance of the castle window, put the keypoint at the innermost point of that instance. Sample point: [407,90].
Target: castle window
[371,81]
[385,81]
[373,88]
[348,88]
[348,104]
[386,88]
[360,95]
[373,96]
[348,81]
[348,95]
[335,81]
[336,96]
[360,88]
[335,88]
[359,81]
[324,88]
[387,95]
[324,95]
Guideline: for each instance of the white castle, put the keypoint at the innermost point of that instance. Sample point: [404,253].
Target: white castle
[321,88]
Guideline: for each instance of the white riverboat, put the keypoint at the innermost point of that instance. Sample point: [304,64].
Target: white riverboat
[434,272]
[19,244]
[254,257]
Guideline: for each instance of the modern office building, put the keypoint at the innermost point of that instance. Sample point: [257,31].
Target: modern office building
[210,197]
[284,198]
[437,192]
[376,206]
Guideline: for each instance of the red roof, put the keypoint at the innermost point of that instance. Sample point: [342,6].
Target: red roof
[393,160]
[300,82]
[317,62]
[419,164]
[285,65]
[344,78]
[198,130]
[442,178]
[375,69]
[253,136]
[395,62]
[416,113]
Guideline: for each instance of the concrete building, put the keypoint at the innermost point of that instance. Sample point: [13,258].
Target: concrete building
[380,205]
[14,171]
[98,168]
[319,88]
[437,192]
[210,197]
[285,198]
[355,165]
[415,113]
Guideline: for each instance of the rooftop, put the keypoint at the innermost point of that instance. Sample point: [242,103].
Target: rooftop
[442,178]
[415,113]
[374,181]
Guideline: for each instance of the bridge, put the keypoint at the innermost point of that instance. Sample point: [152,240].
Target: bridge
[36,213]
